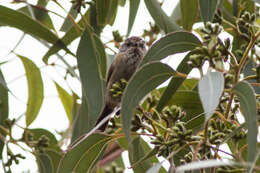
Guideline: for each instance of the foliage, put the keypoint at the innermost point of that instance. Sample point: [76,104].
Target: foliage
[186,121]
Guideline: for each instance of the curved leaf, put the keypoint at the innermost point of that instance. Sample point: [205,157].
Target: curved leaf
[102,11]
[133,8]
[208,9]
[39,13]
[112,13]
[81,122]
[249,109]
[202,164]
[159,16]
[144,80]
[189,12]
[66,100]
[23,22]
[35,89]
[211,87]
[102,57]
[90,74]
[73,33]
[44,163]
[67,24]
[175,83]
[175,42]
[37,133]
[4,110]
[55,157]
[83,156]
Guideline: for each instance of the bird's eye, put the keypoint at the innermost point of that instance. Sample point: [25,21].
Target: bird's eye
[128,44]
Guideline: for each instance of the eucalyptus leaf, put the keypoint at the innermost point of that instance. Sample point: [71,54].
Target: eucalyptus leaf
[175,83]
[90,73]
[176,42]
[159,16]
[102,11]
[35,89]
[143,81]
[23,22]
[67,24]
[44,163]
[81,122]
[4,108]
[249,109]
[83,156]
[202,164]
[66,100]
[207,9]
[211,87]
[189,11]
[133,8]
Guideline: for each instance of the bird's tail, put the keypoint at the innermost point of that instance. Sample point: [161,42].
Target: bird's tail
[105,112]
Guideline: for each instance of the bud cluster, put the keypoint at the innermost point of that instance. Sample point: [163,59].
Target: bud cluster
[177,138]
[118,88]
[214,50]
[245,23]
[40,144]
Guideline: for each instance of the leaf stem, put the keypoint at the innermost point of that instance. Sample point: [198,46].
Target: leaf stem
[250,77]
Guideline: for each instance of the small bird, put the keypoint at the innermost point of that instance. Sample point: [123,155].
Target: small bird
[131,52]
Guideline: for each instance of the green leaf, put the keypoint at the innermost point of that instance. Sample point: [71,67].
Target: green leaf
[102,11]
[143,81]
[55,157]
[42,15]
[38,13]
[159,16]
[38,132]
[175,83]
[23,22]
[44,163]
[202,164]
[102,57]
[211,87]
[90,74]
[35,89]
[73,33]
[83,155]
[122,2]
[133,8]
[248,70]
[81,124]
[66,100]
[4,108]
[136,153]
[189,13]
[208,9]
[172,43]
[67,24]
[112,13]
[249,109]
